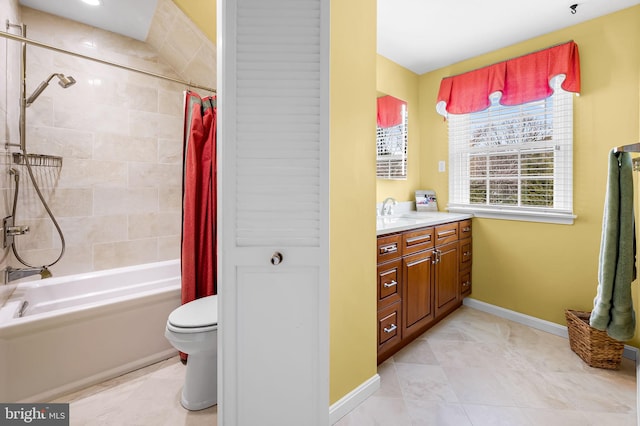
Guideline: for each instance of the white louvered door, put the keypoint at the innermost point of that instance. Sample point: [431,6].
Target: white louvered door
[273,136]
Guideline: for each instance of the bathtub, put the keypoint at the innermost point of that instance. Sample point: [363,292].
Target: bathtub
[79,330]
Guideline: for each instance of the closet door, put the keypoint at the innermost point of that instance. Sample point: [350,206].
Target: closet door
[273,67]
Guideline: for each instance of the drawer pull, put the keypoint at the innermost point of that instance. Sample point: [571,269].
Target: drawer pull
[466,229]
[389,249]
[446,233]
[415,240]
[390,329]
[466,253]
[391,284]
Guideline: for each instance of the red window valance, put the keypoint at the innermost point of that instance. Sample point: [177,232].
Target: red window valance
[389,111]
[521,80]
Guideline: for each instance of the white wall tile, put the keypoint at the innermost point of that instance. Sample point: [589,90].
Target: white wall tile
[117,196]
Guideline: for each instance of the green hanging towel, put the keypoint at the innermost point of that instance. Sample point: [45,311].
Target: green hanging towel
[613,306]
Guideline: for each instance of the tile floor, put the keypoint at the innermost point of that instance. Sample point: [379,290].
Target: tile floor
[471,369]
[475,369]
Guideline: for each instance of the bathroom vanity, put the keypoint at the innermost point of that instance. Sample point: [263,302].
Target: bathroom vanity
[424,272]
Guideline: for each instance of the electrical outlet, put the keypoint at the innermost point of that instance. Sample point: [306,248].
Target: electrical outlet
[441,166]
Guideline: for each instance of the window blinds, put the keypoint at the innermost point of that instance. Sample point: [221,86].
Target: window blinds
[513,158]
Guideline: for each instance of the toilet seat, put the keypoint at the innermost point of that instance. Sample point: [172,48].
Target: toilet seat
[197,316]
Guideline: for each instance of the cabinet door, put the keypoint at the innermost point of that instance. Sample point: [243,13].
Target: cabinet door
[389,330]
[389,283]
[465,253]
[446,279]
[465,282]
[417,297]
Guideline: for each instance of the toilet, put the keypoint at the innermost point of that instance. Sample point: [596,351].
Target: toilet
[193,329]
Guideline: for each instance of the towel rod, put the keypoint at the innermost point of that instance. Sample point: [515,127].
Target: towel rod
[634,147]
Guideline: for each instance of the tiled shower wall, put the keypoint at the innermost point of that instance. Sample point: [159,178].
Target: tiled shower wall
[117,195]
[9,54]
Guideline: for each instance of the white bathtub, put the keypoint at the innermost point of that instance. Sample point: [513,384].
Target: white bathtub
[83,329]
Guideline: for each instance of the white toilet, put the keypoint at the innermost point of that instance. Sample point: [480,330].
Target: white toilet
[193,329]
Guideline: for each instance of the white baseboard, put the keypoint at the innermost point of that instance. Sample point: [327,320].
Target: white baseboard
[550,327]
[350,401]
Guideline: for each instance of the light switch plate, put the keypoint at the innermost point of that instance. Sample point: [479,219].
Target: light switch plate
[441,166]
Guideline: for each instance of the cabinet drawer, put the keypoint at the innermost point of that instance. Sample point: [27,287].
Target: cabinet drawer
[446,233]
[389,248]
[389,283]
[465,253]
[415,241]
[465,282]
[388,323]
[465,228]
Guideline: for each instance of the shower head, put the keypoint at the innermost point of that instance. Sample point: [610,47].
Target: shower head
[64,81]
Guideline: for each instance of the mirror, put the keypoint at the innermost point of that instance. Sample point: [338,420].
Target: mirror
[391,139]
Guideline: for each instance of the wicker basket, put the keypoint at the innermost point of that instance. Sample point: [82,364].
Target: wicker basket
[595,347]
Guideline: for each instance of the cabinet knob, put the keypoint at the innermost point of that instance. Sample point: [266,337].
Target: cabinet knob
[391,329]
[391,284]
[276,258]
[389,249]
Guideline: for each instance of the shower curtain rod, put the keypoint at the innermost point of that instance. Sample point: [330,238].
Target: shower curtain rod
[101,61]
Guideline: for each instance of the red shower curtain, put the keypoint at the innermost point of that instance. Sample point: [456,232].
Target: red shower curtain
[198,251]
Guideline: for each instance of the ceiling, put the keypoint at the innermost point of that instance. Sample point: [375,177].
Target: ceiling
[424,35]
[131,18]
[420,35]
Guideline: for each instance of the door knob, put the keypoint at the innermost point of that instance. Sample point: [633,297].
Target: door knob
[276,258]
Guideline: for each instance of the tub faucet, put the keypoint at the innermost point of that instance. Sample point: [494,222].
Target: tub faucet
[387,211]
[12,274]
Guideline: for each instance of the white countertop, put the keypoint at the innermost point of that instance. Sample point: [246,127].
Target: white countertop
[413,220]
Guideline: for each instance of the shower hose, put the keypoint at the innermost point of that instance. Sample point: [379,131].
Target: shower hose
[46,207]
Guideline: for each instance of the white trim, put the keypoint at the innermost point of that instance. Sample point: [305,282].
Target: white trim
[350,401]
[550,327]
[637,386]
[522,215]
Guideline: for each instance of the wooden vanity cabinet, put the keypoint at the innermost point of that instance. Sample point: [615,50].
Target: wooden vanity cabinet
[423,274]
[446,282]
[389,295]
[417,288]
[466,246]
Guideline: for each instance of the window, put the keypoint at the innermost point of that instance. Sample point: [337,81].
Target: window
[514,162]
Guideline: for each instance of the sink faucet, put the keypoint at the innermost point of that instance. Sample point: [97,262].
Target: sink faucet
[11,274]
[387,211]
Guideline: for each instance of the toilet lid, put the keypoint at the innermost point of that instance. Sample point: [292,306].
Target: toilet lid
[201,312]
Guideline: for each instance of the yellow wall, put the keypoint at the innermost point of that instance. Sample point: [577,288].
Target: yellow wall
[399,82]
[541,269]
[202,13]
[353,187]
